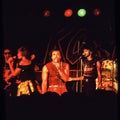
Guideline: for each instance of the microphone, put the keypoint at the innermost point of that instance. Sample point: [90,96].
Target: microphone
[83,42]
[11,59]
[81,56]
[14,57]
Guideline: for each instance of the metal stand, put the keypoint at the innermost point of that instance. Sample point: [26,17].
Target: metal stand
[113,73]
[77,74]
[81,73]
[77,82]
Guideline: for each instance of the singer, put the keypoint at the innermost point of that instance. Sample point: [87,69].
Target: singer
[10,86]
[55,74]
[91,70]
[24,72]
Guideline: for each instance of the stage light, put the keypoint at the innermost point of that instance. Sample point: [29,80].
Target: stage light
[68,13]
[97,12]
[46,13]
[81,12]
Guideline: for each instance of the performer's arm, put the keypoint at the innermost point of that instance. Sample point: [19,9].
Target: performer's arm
[14,71]
[6,73]
[44,79]
[99,73]
[8,78]
[65,73]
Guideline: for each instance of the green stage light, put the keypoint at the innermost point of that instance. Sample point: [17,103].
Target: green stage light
[81,12]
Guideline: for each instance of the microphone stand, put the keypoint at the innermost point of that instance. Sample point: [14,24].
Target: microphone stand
[79,83]
[113,74]
[81,73]
[77,73]
[61,79]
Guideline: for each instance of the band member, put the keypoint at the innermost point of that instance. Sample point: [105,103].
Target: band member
[24,72]
[91,71]
[55,74]
[9,86]
[7,54]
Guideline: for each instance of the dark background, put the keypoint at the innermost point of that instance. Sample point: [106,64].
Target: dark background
[24,24]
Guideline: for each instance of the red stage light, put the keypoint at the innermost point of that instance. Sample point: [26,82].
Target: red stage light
[46,13]
[68,13]
[97,12]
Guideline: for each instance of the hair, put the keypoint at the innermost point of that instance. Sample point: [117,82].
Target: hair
[7,49]
[89,47]
[50,54]
[25,52]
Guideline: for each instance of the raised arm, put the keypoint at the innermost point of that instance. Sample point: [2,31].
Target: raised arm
[14,71]
[64,73]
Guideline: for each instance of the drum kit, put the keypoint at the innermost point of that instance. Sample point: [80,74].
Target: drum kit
[109,71]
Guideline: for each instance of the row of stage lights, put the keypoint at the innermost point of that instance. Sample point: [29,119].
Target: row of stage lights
[69,12]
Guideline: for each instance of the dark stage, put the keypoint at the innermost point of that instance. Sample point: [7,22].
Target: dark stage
[24,23]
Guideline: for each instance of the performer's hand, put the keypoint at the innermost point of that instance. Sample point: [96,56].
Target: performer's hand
[82,77]
[18,81]
[10,60]
[76,78]
[58,66]
[6,86]
[99,85]
[59,69]
[6,79]
[33,56]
